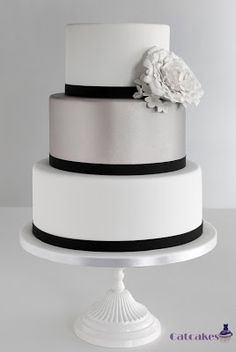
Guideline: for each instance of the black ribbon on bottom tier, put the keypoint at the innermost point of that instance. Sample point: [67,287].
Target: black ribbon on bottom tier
[117,169]
[118,246]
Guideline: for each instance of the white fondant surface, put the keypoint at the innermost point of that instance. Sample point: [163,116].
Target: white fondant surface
[109,54]
[114,131]
[110,208]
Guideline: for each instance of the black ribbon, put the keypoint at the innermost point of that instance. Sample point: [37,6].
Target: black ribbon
[118,246]
[100,91]
[117,169]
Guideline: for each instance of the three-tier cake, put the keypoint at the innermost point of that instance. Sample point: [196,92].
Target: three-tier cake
[117,178]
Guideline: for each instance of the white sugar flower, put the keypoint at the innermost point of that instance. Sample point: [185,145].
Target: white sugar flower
[167,77]
[139,93]
[153,102]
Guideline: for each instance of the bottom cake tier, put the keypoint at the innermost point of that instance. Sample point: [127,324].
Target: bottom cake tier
[116,213]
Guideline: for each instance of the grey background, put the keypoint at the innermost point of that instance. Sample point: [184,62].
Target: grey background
[32,67]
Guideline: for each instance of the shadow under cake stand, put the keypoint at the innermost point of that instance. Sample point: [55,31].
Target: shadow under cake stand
[117,320]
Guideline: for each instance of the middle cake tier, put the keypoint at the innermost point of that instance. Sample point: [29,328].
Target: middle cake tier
[115,136]
[90,212]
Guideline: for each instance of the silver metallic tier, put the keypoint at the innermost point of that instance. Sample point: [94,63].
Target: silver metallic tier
[114,131]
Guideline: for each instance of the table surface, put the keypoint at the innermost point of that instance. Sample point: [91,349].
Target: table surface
[40,299]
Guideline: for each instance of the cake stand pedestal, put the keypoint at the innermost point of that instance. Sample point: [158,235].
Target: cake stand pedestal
[118,320]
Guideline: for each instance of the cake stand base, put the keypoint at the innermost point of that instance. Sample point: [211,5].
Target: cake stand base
[117,320]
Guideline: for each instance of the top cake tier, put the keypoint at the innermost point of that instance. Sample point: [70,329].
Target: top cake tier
[110,54]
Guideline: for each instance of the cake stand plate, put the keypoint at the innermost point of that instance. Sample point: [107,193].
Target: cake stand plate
[118,320]
[202,245]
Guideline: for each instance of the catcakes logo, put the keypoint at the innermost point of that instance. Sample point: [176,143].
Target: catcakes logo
[224,336]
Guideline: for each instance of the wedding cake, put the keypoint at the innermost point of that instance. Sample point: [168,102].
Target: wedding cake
[117,178]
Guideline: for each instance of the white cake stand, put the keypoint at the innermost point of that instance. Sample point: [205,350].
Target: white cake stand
[117,320]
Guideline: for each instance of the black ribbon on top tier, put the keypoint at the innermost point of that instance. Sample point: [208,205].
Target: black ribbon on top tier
[117,169]
[118,246]
[100,91]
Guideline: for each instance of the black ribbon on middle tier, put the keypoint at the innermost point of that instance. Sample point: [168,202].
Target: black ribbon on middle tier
[117,169]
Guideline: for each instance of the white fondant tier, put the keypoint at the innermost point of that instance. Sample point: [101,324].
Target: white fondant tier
[116,208]
[109,54]
[114,131]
